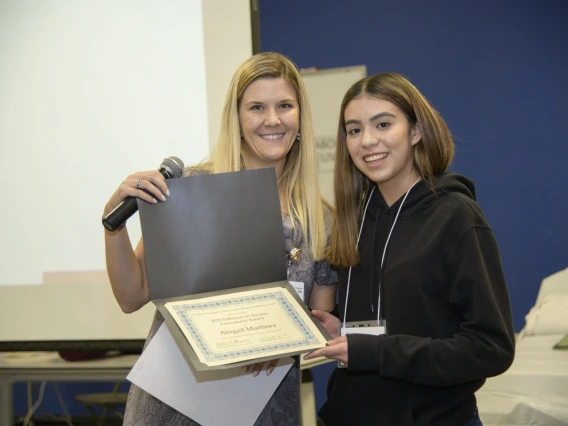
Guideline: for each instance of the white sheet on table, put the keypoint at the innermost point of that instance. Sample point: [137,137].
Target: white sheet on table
[209,398]
[534,391]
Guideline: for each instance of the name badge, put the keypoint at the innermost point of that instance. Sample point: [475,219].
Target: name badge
[373,328]
[299,287]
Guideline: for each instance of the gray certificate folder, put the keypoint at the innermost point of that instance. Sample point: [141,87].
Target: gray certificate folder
[214,234]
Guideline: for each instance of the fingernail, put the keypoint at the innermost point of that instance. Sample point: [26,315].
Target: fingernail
[245,368]
[168,192]
[255,374]
[268,372]
[154,200]
[163,198]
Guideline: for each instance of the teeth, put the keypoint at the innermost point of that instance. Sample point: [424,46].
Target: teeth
[272,136]
[375,157]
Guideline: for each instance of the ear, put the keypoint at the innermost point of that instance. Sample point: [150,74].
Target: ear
[416,134]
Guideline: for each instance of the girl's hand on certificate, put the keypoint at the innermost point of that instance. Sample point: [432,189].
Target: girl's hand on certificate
[329,322]
[257,368]
[335,349]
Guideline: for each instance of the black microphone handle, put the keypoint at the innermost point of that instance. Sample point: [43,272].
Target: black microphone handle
[124,210]
[120,214]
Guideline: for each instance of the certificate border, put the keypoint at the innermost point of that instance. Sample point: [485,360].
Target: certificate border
[189,354]
[210,355]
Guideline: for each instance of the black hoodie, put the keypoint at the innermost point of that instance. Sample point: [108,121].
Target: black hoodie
[446,305]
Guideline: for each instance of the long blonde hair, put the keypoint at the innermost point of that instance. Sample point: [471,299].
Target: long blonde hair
[432,155]
[299,180]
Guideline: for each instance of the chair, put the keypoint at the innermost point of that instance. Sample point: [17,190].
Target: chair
[108,401]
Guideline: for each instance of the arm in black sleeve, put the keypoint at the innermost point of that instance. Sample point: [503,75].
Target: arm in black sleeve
[483,346]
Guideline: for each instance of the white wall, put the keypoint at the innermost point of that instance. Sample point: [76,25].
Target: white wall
[91,92]
[228,42]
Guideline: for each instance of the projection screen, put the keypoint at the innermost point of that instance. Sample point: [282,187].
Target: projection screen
[91,92]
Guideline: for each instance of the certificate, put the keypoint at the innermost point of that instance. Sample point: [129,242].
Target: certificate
[245,326]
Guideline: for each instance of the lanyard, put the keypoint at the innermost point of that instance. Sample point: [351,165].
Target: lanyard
[384,252]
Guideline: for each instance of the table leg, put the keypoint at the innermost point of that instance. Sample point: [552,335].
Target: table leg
[6,402]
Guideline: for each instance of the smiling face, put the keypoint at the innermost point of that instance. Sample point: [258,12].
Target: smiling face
[380,140]
[269,117]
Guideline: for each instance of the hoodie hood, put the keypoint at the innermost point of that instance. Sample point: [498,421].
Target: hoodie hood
[421,196]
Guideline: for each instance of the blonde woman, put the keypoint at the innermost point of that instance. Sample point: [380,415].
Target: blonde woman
[266,122]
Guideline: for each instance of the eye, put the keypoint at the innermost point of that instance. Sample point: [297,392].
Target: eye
[256,107]
[383,125]
[285,106]
[353,131]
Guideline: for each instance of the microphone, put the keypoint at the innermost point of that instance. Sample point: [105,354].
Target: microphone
[171,167]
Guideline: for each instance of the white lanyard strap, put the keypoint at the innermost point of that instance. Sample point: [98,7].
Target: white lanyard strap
[384,250]
[356,246]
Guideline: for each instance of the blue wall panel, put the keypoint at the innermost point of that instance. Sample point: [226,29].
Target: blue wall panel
[497,71]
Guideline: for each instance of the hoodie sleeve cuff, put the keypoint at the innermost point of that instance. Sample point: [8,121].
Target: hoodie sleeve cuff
[363,352]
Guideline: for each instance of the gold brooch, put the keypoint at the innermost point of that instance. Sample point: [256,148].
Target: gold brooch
[295,254]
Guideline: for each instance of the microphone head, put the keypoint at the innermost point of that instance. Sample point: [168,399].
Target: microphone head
[173,166]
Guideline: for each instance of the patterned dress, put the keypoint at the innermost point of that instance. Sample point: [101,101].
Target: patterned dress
[142,409]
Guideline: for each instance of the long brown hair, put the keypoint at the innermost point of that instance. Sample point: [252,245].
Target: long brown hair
[432,155]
